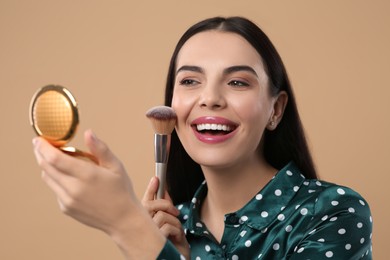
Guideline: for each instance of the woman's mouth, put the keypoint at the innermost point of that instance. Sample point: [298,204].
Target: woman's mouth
[213,129]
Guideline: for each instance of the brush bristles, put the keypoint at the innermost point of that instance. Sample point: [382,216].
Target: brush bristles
[163,119]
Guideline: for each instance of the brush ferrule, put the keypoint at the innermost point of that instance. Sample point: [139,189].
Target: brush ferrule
[162,145]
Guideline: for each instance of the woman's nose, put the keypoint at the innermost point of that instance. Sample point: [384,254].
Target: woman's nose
[212,97]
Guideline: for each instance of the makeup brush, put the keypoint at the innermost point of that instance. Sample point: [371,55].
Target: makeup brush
[163,120]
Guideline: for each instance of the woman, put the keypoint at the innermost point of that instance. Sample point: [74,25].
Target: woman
[239,169]
[226,72]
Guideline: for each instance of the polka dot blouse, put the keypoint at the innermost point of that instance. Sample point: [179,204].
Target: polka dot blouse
[290,218]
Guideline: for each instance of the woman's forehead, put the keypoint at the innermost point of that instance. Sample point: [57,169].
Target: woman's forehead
[219,47]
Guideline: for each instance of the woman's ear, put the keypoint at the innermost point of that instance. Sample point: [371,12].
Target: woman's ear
[280,102]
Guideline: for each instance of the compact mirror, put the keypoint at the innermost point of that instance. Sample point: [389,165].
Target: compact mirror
[54,116]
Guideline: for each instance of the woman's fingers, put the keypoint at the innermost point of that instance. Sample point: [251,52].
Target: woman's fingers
[101,151]
[152,205]
[55,186]
[172,232]
[162,218]
[151,190]
[50,157]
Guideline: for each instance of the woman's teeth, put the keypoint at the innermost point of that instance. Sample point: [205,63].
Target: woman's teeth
[219,127]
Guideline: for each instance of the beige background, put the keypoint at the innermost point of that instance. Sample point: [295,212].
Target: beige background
[113,56]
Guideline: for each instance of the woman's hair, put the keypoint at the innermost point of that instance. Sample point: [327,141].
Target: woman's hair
[284,144]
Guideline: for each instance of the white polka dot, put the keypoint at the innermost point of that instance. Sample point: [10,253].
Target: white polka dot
[205,232]
[282,208]
[193,200]
[297,206]
[278,192]
[371,219]
[207,248]
[304,211]
[264,214]
[321,240]
[329,254]
[313,231]
[289,173]
[264,230]
[185,217]
[348,246]
[199,224]
[198,258]
[312,191]
[342,231]
[259,196]
[289,228]
[244,218]
[359,225]
[351,210]
[324,218]
[333,219]
[248,243]
[362,240]
[182,257]
[318,183]
[180,207]
[281,217]
[334,203]
[300,250]
[242,234]
[362,202]
[276,246]
[340,191]
[306,183]
[296,188]
[259,256]
[235,257]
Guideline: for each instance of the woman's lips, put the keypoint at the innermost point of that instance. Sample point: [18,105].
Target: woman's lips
[213,130]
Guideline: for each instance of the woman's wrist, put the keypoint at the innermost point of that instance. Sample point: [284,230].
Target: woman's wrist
[132,232]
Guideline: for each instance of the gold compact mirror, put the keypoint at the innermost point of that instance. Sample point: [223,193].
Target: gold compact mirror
[54,116]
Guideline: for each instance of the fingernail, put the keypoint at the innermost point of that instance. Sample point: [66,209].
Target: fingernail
[93,136]
[35,141]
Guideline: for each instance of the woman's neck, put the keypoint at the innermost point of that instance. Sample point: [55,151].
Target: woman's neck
[230,189]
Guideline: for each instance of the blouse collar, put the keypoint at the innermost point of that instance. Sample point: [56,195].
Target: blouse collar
[261,210]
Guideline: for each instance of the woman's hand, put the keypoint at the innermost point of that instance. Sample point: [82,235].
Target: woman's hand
[100,196]
[164,214]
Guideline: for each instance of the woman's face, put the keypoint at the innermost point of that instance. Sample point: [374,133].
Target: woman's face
[222,99]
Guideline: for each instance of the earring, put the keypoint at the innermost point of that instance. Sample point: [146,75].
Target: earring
[272,123]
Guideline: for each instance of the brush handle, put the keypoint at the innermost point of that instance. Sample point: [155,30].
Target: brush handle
[162,145]
[161,169]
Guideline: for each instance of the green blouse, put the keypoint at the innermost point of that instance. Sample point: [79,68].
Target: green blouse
[290,218]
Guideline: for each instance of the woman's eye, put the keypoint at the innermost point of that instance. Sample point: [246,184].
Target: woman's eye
[238,83]
[188,82]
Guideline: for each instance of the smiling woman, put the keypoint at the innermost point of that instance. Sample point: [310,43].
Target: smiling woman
[240,174]
[240,169]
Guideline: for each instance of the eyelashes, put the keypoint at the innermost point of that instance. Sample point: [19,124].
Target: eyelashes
[233,83]
[188,82]
[238,83]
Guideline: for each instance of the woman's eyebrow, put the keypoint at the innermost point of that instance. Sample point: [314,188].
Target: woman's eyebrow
[190,68]
[233,69]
